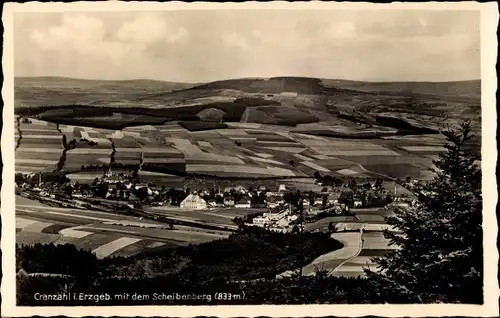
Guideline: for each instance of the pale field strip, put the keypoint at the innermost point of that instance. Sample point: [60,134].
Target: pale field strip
[155,244]
[173,130]
[158,174]
[341,152]
[74,233]
[109,228]
[286,149]
[22,223]
[87,217]
[307,137]
[359,260]
[214,99]
[90,130]
[39,150]
[370,217]
[244,138]
[36,161]
[232,132]
[221,215]
[135,223]
[330,261]
[365,226]
[185,146]
[46,130]
[90,151]
[164,149]
[237,169]
[47,136]
[244,125]
[67,128]
[315,166]
[302,157]
[135,135]
[214,158]
[280,172]
[82,176]
[378,244]
[275,128]
[424,148]
[321,157]
[85,135]
[117,134]
[205,144]
[341,143]
[101,141]
[346,172]
[38,122]
[299,180]
[278,143]
[201,233]
[141,128]
[159,160]
[266,160]
[122,161]
[111,247]
[27,170]
[131,149]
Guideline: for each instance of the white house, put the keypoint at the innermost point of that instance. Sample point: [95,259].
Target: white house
[240,189]
[282,188]
[243,203]
[273,202]
[262,220]
[318,200]
[194,202]
[229,201]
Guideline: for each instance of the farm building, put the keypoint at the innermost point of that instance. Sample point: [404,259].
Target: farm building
[240,189]
[243,203]
[288,94]
[229,201]
[273,202]
[194,201]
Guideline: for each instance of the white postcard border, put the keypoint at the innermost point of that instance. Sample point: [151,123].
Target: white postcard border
[489,22]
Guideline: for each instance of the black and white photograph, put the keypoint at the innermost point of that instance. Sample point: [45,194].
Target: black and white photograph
[206,155]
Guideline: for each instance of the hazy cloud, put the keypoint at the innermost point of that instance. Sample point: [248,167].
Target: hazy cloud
[197,46]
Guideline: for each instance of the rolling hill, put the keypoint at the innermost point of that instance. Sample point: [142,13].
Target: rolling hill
[412,107]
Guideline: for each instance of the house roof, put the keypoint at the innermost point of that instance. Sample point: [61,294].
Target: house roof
[193,198]
[243,201]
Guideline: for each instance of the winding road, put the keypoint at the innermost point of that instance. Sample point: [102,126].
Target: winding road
[330,261]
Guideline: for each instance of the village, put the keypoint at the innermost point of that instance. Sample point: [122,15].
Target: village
[283,208]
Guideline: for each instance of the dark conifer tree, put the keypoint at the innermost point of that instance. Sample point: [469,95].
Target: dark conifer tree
[441,255]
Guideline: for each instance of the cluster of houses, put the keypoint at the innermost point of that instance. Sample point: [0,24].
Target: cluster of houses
[280,222]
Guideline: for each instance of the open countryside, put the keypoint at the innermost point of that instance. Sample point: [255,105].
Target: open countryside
[155,155]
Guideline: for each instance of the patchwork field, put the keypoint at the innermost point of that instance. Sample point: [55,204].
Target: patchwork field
[243,150]
[38,147]
[103,233]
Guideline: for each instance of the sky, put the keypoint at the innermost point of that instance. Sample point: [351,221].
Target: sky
[201,46]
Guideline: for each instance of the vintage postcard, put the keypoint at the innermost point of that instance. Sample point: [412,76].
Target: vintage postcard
[249,159]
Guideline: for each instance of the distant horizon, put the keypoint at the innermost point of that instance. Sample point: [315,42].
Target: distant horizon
[194,46]
[243,78]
